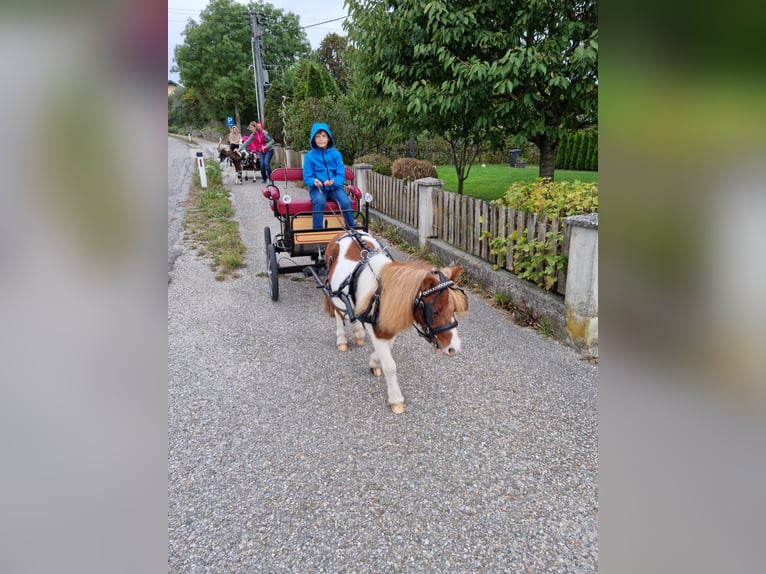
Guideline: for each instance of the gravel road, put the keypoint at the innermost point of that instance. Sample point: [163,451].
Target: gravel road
[284,456]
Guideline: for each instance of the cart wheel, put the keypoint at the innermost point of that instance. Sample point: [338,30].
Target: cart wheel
[271,265]
[267,235]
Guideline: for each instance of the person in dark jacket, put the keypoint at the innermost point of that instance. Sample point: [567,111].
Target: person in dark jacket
[324,174]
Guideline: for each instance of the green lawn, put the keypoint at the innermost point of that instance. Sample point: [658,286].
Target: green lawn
[491,182]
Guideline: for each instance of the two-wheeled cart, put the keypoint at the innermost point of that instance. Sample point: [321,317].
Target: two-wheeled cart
[296,237]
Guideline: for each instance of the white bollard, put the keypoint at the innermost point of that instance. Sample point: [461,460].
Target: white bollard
[202,174]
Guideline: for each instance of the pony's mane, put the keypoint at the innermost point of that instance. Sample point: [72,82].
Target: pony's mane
[400,283]
[459,300]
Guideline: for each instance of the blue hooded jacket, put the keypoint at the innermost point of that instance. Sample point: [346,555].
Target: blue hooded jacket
[323,164]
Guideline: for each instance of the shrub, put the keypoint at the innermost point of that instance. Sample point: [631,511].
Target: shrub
[541,261]
[410,169]
[578,151]
[562,156]
[380,163]
[557,199]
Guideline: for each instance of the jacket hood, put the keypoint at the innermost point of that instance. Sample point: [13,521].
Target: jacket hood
[324,127]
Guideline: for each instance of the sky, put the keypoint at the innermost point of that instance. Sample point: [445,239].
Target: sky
[310,12]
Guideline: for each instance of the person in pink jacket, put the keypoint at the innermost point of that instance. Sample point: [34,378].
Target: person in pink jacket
[260,142]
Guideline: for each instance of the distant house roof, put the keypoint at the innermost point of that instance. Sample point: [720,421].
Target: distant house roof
[172,83]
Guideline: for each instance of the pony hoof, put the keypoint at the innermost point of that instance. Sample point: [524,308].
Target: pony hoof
[397,408]
[359,342]
[343,347]
[377,371]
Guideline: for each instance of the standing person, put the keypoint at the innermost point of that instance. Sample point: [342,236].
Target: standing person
[324,175]
[261,142]
[235,138]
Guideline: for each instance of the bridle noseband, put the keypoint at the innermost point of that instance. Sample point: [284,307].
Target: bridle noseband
[425,309]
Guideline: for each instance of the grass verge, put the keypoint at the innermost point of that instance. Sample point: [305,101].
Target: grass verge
[210,227]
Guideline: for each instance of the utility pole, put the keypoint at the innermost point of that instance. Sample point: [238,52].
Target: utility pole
[256,45]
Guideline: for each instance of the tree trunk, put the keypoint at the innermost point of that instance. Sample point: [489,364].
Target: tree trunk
[548,148]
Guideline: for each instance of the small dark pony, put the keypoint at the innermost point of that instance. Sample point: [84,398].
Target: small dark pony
[233,157]
[386,297]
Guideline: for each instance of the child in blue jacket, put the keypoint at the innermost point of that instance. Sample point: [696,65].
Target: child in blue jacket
[324,175]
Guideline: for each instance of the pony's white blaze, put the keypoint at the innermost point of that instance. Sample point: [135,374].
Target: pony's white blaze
[385,295]
[453,348]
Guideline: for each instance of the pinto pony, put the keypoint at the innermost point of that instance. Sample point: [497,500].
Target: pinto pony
[385,297]
[233,157]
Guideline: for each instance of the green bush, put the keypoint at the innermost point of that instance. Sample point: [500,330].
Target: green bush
[562,154]
[593,163]
[410,169]
[578,151]
[380,163]
[557,199]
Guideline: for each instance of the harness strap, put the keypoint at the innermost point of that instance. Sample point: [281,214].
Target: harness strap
[435,288]
[371,313]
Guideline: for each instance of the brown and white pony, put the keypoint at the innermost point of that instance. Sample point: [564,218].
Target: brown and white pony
[385,297]
[233,157]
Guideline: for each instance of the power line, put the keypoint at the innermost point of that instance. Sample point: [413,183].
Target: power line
[325,22]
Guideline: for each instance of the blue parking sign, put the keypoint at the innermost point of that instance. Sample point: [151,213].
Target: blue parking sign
[229,121]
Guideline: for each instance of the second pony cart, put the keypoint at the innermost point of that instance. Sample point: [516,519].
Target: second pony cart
[296,236]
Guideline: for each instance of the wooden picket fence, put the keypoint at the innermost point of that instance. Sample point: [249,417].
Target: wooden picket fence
[394,197]
[462,221]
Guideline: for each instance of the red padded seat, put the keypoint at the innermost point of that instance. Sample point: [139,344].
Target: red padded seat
[304,205]
[283,174]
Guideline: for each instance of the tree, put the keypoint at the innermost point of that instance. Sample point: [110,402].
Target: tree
[332,55]
[215,59]
[474,72]
[554,67]
[402,52]
[280,92]
[313,81]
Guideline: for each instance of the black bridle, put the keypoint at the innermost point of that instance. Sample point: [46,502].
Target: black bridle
[425,309]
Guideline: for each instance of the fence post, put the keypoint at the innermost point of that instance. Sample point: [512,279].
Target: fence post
[426,186]
[360,179]
[292,157]
[581,298]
